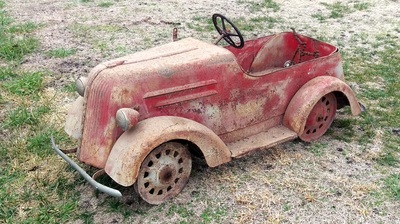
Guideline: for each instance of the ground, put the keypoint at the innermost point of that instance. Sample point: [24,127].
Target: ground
[341,178]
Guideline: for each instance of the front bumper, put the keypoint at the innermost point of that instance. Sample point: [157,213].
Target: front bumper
[108,190]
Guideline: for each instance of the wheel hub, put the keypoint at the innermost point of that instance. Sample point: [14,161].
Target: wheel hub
[166,174]
[320,118]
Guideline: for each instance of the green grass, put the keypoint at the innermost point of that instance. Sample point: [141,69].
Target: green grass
[38,187]
[201,24]
[379,86]
[342,129]
[388,159]
[32,191]
[182,211]
[361,6]
[23,116]
[86,31]
[26,84]
[337,9]
[212,215]
[15,39]
[61,52]
[105,4]
[256,6]
[392,186]
[13,49]
[319,16]
[7,72]
[24,28]
[317,148]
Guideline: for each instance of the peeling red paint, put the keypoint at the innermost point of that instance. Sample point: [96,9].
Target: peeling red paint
[227,101]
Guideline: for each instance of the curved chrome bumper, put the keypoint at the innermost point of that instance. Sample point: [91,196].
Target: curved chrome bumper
[108,190]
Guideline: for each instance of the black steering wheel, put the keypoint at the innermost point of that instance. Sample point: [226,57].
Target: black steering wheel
[220,23]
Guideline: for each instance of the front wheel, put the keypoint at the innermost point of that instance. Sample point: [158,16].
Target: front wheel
[164,173]
[320,118]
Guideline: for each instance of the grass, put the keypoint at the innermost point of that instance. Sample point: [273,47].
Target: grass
[32,191]
[256,6]
[105,4]
[26,84]
[318,149]
[61,52]
[15,39]
[354,168]
[392,186]
[361,6]
[338,10]
[23,116]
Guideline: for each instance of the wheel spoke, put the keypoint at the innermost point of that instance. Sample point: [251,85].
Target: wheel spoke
[223,24]
[232,34]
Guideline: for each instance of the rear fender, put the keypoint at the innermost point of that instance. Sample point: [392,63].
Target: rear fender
[308,95]
[134,145]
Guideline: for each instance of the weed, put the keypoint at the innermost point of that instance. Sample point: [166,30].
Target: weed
[14,49]
[23,28]
[319,16]
[263,4]
[317,148]
[337,9]
[61,52]
[201,24]
[209,215]
[388,159]
[70,87]
[271,21]
[115,205]
[22,116]
[28,84]
[182,211]
[342,129]
[392,186]
[361,6]
[7,72]
[105,4]
[39,143]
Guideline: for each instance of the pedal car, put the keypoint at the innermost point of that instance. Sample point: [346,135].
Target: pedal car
[141,118]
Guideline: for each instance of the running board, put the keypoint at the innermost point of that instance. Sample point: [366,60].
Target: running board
[262,140]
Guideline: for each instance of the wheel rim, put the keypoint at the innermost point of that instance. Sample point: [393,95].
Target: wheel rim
[320,118]
[164,172]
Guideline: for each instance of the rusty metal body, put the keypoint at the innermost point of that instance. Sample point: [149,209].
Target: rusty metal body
[225,101]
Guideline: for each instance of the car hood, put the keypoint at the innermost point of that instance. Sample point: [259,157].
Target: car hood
[165,59]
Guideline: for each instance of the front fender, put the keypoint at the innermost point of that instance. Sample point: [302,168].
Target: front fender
[134,145]
[308,95]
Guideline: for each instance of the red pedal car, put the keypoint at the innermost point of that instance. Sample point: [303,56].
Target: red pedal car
[142,117]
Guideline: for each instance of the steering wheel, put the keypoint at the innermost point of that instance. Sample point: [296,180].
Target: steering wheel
[225,32]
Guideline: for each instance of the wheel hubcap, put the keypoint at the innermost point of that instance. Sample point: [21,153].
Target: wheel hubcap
[164,173]
[320,118]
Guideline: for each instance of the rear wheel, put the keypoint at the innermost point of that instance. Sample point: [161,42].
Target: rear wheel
[320,118]
[164,173]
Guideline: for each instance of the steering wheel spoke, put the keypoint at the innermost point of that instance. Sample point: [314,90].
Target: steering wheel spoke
[225,32]
[232,34]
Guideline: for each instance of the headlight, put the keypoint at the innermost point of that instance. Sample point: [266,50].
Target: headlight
[127,118]
[81,85]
